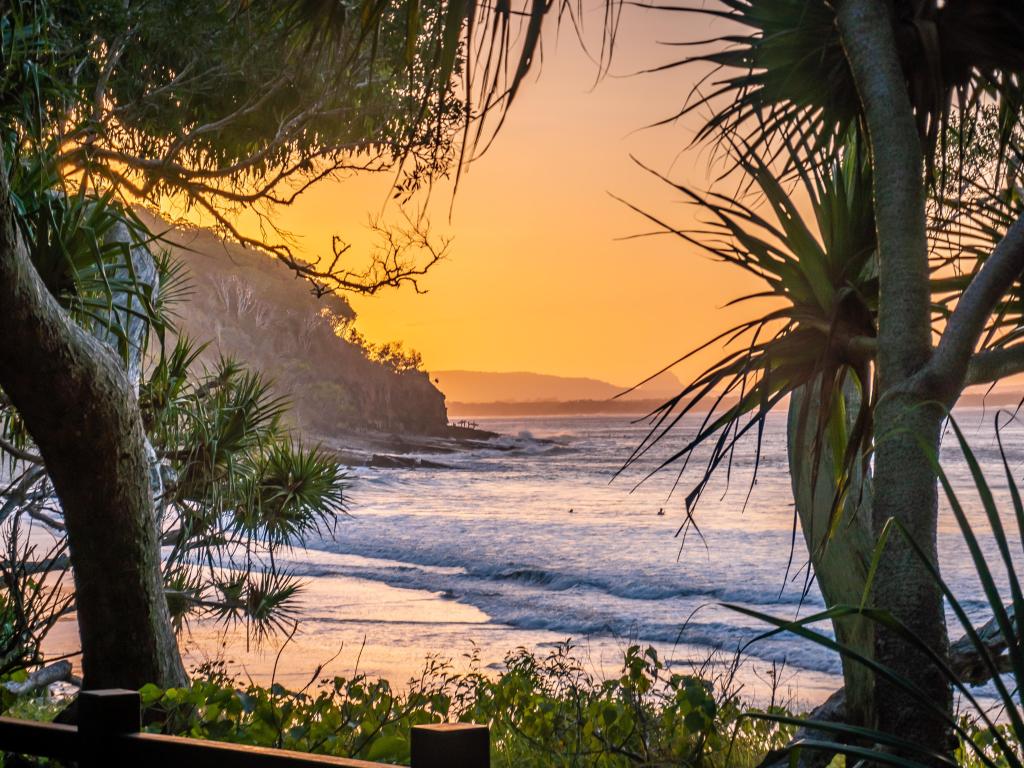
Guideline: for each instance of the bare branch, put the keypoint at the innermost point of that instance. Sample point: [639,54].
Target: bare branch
[16,496]
[18,453]
[41,515]
[56,564]
[994,364]
[392,263]
[41,678]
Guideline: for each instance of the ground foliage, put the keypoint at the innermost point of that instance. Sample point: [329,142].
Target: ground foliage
[543,710]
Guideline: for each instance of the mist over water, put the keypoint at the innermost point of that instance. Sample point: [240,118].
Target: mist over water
[534,540]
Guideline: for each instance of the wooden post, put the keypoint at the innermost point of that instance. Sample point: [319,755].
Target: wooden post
[102,717]
[451,745]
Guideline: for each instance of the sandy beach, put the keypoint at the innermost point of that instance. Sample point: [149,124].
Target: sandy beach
[389,632]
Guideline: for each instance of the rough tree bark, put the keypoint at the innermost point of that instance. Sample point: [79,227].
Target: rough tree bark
[82,413]
[904,483]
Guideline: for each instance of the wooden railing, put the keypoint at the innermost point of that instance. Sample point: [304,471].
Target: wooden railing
[108,735]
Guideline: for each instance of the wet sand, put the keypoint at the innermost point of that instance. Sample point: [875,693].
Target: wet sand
[389,632]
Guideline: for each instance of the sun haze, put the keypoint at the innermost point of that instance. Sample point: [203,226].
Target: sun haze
[538,277]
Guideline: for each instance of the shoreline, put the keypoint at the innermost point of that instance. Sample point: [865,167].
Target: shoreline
[392,633]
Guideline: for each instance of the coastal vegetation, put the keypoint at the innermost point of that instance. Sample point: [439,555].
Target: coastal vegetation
[884,221]
[231,484]
[250,307]
[879,145]
[543,709]
[986,732]
[224,108]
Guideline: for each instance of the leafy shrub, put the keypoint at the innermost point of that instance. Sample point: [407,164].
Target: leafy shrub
[542,711]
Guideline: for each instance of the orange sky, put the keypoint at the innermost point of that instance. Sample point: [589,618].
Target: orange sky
[537,280]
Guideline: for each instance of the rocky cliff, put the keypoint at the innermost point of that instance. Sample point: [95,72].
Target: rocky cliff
[252,308]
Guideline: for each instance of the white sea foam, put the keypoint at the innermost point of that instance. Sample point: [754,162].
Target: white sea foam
[536,536]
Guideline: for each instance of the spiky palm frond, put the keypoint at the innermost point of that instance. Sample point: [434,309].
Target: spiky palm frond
[175,287]
[162,396]
[821,273]
[227,414]
[184,586]
[36,55]
[263,601]
[17,442]
[981,225]
[239,487]
[784,77]
[490,48]
[296,491]
[93,254]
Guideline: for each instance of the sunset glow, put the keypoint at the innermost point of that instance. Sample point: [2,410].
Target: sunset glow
[538,277]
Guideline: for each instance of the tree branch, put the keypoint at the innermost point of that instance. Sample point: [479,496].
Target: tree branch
[33,567]
[17,493]
[79,408]
[16,452]
[41,678]
[390,264]
[994,364]
[950,365]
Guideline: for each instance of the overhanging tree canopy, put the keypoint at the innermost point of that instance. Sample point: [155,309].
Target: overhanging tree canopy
[226,106]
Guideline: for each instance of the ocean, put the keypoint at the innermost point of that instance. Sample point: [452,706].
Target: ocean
[535,541]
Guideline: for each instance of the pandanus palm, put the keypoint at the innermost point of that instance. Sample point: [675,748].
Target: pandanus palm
[797,80]
[787,75]
[813,345]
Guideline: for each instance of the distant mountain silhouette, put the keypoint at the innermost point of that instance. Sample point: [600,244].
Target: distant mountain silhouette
[466,387]
[472,394]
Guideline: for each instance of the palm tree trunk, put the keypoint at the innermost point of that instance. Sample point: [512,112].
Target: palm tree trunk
[905,429]
[80,409]
[840,560]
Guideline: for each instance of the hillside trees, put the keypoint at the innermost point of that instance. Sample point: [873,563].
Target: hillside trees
[225,106]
